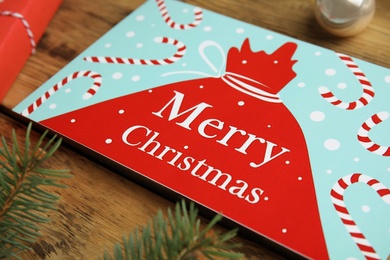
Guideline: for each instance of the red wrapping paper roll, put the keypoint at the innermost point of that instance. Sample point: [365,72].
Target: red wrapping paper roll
[22,23]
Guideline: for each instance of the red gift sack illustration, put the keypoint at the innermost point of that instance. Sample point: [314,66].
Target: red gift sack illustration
[228,143]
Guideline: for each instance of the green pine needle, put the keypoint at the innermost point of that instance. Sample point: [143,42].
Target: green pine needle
[24,202]
[179,237]
[23,199]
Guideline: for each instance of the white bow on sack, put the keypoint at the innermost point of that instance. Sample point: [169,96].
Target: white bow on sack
[237,81]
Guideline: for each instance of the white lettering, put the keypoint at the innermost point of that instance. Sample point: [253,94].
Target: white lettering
[208,122]
[126,134]
[248,142]
[229,134]
[187,163]
[177,101]
[151,142]
[256,193]
[219,175]
[239,191]
[268,154]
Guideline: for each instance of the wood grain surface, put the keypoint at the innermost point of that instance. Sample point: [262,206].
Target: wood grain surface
[99,206]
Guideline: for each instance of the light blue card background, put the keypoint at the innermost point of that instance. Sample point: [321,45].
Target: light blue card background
[133,38]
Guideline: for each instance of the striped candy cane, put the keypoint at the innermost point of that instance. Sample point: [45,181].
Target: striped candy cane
[97,81]
[181,49]
[168,20]
[368,91]
[337,195]
[365,141]
[25,24]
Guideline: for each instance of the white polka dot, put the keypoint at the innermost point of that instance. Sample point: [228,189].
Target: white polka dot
[207,28]
[150,90]
[241,103]
[240,30]
[341,85]
[139,45]
[276,62]
[107,45]
[184,64]
[140,18]
[387,79]
[186,147]
[68,90]
[328,171]
[108,141]
[356,159]
[287,162]
[301,84]
[269,37]
[117,75]
[284,230]
[73,120]
[201,86]
[135,78]
[130,34]
[121,111]
[269,126]
[366,208]
[388,169]
[185,10]
[266,198]
[53,106]
[299,178]
[332,144]
[317,116]
[244,62]
[330,72]
[317,53]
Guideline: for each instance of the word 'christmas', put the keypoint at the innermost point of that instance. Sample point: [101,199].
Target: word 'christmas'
[146,140]
[266,153]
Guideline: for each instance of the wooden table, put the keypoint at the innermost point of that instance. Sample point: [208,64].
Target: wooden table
[99,206]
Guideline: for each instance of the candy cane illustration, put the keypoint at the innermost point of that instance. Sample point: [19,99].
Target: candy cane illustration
[25,24]
[168,20]
[337,195]
[368,91]
[97,81]
[181,49]
[365,141]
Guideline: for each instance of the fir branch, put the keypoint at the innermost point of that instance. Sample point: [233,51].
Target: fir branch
[23,199]
[183,240]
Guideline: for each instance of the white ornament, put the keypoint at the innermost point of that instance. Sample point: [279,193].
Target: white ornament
[344,17]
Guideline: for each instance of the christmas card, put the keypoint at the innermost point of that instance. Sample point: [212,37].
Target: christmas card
[286,139]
